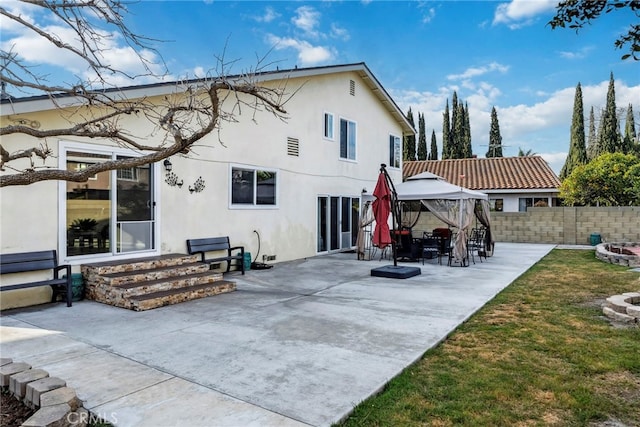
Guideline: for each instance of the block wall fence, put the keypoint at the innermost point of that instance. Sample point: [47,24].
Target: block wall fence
[558,225]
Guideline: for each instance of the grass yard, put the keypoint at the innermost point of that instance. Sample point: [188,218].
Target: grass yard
[540,354]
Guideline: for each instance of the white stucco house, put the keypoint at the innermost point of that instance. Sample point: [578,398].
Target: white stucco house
[295,184]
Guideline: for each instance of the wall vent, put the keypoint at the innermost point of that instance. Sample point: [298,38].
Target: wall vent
[293,147]
[352,88]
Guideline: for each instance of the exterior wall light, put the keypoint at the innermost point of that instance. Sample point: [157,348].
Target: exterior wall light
[198,186]
[171,178]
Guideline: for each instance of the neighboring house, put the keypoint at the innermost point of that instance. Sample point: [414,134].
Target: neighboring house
[512,183]
[295,185]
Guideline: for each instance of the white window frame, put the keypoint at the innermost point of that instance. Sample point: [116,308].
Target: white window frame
[328,126]
[131,172]
[395,152]
[66,146]
[533,200]
[253,205]
[351,156]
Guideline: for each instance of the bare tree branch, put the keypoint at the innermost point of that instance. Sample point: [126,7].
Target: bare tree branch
[186,116]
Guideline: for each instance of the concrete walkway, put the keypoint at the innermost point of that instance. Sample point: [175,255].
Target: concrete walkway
[300,344]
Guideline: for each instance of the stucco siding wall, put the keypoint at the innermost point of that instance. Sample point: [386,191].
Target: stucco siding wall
[30,215]
[288,230]
[28,222]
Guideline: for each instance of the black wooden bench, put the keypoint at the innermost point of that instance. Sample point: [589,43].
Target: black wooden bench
[36,261]
[216,244]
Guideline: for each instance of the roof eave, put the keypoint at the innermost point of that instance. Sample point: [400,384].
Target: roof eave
[44,103]
[518,190]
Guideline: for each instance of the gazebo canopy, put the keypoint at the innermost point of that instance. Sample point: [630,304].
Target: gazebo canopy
[427,186]
[453,204]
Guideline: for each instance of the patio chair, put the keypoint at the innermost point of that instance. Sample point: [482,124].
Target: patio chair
[477,244]
[430,247]
[465,261]
[446,237]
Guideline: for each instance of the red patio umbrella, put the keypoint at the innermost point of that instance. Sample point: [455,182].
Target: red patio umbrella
[381,208]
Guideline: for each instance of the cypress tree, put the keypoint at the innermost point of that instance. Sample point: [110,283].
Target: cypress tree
[433,154]
[592,141]
[609,136]
[599,149]
[409,149]
[629,141]
[445,133]
[454,134]
[459,132]
[577,147]
[422,142]
[468,150]
[495,139]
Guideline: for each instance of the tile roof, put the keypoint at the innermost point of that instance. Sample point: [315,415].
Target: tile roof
[496,173]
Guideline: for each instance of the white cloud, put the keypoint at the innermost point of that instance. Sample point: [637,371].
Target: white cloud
[269,15]
[307,19]
[479,71]
[307,53]
[428,15]
[555,160]
[519,13]
[16,8]
[339,33]
[37,51]
[199,72]
[305,41]
[578,54]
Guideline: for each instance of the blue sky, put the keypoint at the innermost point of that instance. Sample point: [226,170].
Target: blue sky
[498,54]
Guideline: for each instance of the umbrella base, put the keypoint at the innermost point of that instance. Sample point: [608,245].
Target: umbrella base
[395,272]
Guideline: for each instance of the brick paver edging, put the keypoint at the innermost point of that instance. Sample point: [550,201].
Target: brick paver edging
[58,405]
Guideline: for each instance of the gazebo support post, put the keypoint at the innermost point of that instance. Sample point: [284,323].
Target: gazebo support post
[394,271]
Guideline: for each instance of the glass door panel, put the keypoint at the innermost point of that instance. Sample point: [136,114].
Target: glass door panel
[134,208]
[322,224]
[88,207]
[334,219]
[345,220]
[355,214]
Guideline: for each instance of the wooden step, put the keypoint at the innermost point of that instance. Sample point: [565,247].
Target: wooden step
[175,296]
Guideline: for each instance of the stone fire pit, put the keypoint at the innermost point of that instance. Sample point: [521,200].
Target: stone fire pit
[623,308]
[623,253]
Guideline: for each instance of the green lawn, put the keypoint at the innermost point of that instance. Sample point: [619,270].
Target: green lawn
[541,353]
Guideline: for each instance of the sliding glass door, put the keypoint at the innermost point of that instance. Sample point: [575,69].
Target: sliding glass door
[111,213]
[337,223]
[134,209]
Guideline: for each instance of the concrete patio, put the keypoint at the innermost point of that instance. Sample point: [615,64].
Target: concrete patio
[299,344]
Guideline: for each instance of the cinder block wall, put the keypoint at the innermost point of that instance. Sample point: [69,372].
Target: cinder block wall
[559,225]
